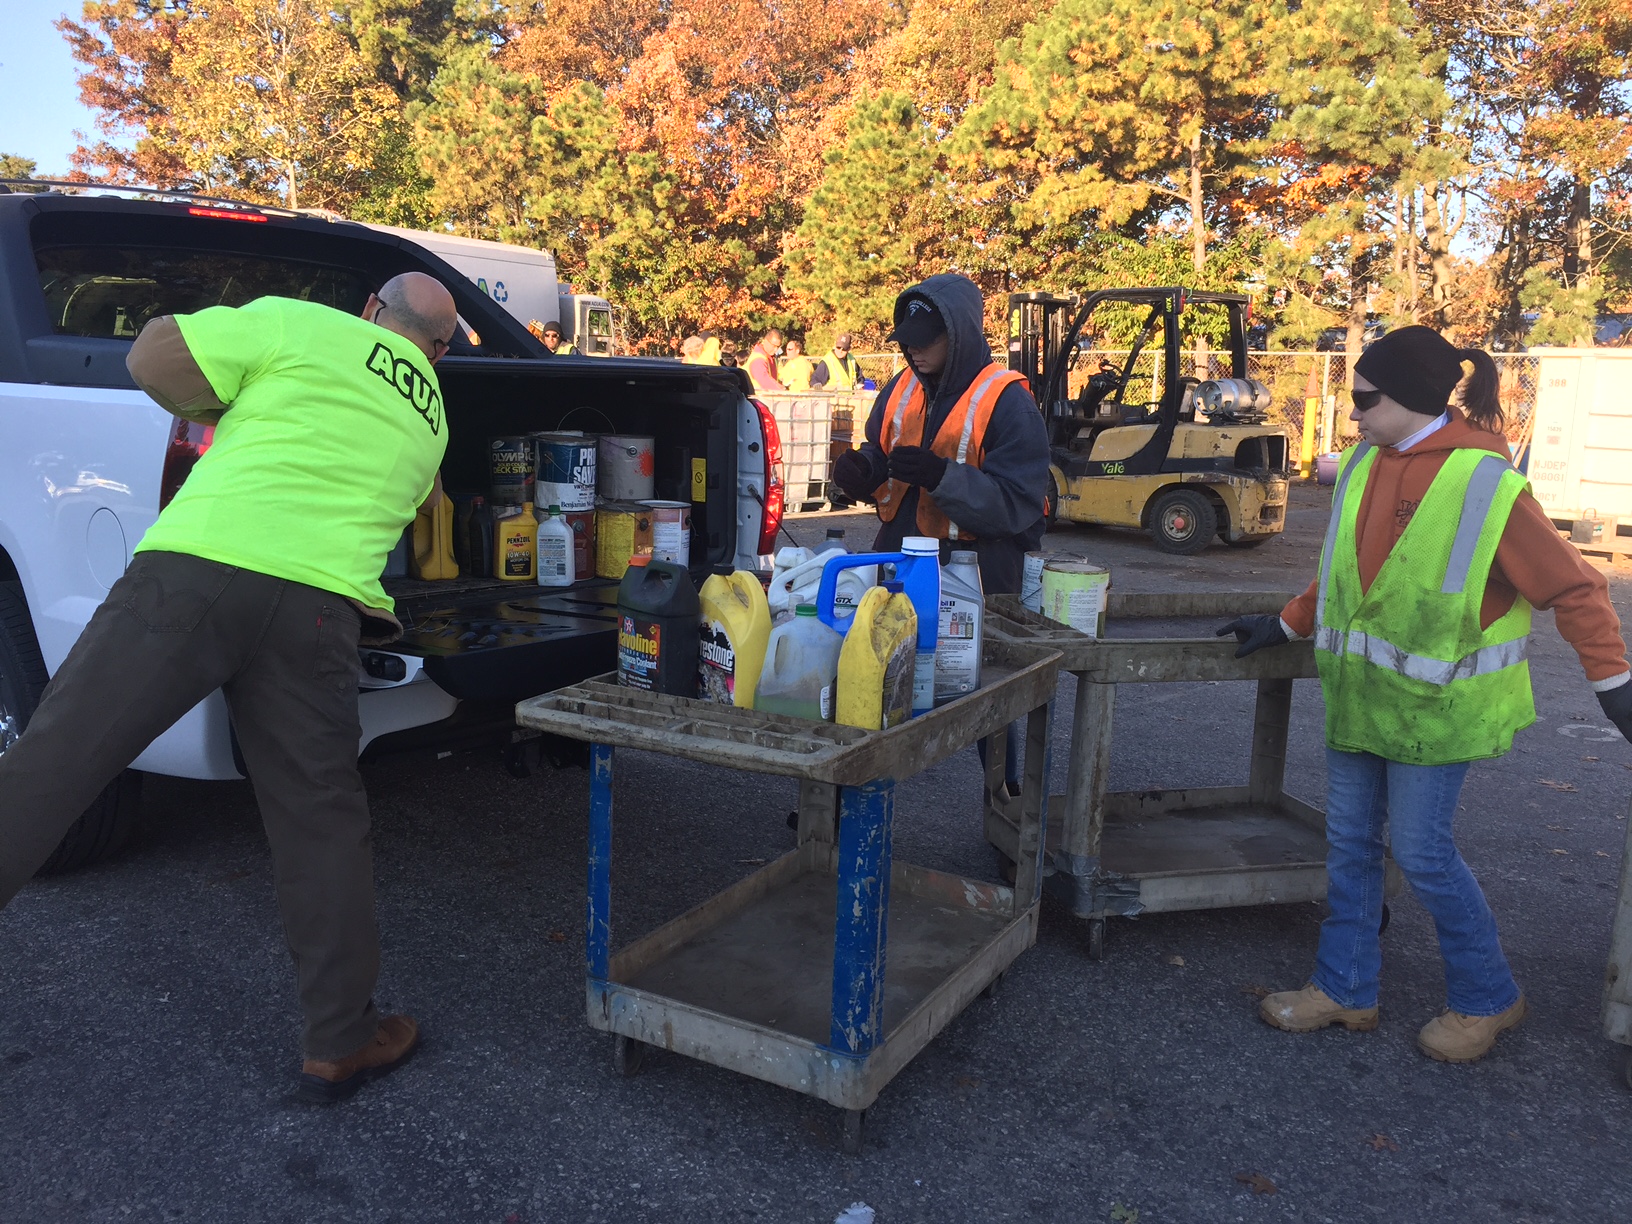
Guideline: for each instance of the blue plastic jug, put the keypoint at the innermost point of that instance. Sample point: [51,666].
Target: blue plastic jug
[918,570]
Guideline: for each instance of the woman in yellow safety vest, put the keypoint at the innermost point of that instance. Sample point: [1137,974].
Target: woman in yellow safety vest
[1435,555]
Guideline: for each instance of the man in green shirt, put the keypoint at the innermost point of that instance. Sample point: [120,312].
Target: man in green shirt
[260,578]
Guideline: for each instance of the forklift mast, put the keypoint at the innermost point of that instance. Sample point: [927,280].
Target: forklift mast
[1037,327]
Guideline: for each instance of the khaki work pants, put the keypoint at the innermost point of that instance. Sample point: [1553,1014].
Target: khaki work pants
[172,630]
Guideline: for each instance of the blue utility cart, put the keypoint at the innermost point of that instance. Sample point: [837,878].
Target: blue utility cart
[828,969]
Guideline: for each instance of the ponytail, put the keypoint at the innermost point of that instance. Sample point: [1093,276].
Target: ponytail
[1481,398]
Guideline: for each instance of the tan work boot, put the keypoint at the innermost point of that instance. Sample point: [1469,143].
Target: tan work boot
[326,1081]
[1454,1038]
[1304,1011]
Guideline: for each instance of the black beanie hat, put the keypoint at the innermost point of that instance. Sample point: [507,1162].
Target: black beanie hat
[1416,366]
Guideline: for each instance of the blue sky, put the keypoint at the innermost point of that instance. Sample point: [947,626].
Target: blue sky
[39,102]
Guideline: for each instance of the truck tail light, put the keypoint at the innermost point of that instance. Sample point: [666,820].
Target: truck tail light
[771,508]
[188,442]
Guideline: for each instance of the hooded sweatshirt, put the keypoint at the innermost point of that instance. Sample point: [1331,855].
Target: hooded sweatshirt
[1002,500]
[1532,559]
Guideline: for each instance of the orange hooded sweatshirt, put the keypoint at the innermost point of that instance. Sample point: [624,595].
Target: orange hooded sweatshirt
[1532,560]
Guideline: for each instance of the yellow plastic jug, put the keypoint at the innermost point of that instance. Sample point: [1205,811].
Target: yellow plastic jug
[876,663]
[734,632]
[515,545]
[433,542]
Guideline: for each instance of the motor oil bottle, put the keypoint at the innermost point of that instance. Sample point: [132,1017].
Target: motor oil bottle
[473,537]
[657,628]
[796,578]
[515,545]
[801,670]
[877,660]
[732,637]
[433,542]
[918,569]
[556,567]
[958,638]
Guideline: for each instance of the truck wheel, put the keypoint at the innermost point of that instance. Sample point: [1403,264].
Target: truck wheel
[107,824]
[1182,521]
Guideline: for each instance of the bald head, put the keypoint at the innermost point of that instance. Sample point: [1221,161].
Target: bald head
[418,308]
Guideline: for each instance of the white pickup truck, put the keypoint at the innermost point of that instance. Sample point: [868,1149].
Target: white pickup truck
[87,462]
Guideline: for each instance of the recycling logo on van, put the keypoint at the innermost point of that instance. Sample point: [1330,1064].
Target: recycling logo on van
[410,384]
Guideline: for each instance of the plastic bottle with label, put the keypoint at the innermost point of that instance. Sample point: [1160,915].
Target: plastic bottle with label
[555,550]
[796,577]
[959,636]
[733,633]
[876,661]
[515,545]
[657,628]
[801,672]
[918,569]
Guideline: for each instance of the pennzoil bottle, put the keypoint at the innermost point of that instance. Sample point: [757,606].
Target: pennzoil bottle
[515,545]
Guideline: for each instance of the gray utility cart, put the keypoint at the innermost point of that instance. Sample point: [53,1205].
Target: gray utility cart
[827,970]
[1127,853]
[1618,975]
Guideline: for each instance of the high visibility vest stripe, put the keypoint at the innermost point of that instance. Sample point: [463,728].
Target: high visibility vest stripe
[1475,509]
[1380,653]
[1336,521]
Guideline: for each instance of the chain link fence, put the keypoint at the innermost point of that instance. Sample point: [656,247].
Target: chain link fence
[1292,378]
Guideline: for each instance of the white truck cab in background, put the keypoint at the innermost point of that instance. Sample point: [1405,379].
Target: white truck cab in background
[523,281]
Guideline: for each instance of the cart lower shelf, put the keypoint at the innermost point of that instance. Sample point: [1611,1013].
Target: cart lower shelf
[746,980]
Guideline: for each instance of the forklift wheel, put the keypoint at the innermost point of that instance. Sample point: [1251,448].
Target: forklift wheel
[1182,521]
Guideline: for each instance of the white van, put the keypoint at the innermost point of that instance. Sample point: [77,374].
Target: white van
[523,281]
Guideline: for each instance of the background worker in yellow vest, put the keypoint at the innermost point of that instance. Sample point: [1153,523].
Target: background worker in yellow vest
[955,447]
[795,368]
[332,427]
[838,371]
[1435,554]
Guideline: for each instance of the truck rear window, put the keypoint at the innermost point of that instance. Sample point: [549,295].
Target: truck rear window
[111,291]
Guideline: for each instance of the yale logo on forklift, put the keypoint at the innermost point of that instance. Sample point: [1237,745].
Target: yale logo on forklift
[1113,469]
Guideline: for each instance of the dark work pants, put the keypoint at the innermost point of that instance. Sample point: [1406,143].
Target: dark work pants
[173,630]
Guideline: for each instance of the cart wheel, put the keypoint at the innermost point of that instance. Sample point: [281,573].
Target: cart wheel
[994,987]
[1388,916]
[1096,939]
[627,1056]
[1628,1069]
[850,1136]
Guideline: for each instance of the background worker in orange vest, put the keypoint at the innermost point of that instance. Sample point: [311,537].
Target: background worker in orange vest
[955,446]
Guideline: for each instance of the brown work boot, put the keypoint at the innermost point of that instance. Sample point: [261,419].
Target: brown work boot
[324,1082]
[1454,1038]
[1304,1011]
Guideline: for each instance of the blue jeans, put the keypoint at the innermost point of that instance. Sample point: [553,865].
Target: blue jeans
[1419,803]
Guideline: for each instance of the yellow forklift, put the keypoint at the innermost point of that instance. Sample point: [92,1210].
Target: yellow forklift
[1140,446]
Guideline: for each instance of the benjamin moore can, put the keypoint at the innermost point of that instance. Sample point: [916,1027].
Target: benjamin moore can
[564,469]
[627,467]
[1075,593]
[510,470]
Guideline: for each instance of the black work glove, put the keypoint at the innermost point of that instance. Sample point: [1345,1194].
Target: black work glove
[1617,703]
[1254,633]
[853,474]
[915,465]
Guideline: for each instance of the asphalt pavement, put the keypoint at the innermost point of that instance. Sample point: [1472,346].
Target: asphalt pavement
[148,1023]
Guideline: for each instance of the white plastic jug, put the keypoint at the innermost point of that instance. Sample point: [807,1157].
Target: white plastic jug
[555,550]
[796,575]
[958,639]
[801,668]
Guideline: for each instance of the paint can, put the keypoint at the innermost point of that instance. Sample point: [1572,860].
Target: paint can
[510,470]
[671,530]
[622,529]
[1075,593]
[627,467]
[1031,582]
[564,470]
[582,523]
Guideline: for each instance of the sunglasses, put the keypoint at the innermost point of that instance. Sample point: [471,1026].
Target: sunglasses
[1365,400]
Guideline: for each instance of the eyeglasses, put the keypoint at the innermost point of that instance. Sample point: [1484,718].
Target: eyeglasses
[1364,401]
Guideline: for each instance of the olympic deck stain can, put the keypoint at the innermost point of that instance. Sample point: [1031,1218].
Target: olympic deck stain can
[510,470]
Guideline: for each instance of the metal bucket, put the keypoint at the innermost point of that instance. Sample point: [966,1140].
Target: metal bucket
[671,531]
[1031,581]
[564,468]
[628,467]
[622,529]
[1074,593]
[510,470]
